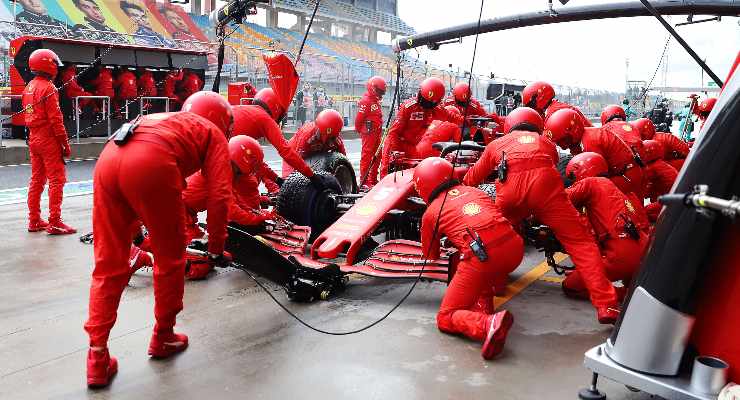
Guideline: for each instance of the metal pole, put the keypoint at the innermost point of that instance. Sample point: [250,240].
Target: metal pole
[107,101]
[683,43]
[570,14]
[77,117]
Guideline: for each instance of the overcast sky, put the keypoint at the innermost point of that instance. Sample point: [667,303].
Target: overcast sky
[588,54]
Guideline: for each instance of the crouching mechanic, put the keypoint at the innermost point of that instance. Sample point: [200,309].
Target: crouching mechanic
[621,231]
[414,117]
[529,185]
[47,143]
[246,158]
[489,248]
[322,135]
[566,129]
[139,177]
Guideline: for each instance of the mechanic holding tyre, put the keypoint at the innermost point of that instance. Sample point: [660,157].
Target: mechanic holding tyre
[369,124]
[490,249]
[529,185]
[139,177]
[260,120]
[322,135]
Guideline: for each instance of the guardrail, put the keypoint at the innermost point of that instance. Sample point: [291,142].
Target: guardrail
[106,111]
[148,98]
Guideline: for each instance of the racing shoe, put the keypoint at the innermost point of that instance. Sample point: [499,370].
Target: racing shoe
[138,259]
[498,328]
[58,227]
[37,226]
[101,368]
[164,345]
[607,315]
[574,293]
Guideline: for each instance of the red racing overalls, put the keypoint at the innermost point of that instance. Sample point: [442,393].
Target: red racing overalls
[143,180]
[468,301]
[369,125]
[533,187]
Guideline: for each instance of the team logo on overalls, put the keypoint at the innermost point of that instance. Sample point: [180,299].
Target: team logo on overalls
[548,134]
[471,209]
[627,127]
[527,139]
[29,109]
[629,206]
[373,107]
[417,116]
[454,192]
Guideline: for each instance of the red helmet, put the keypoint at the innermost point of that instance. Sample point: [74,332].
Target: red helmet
[376,85]
[267,99]
[213,107]
[652,150]
[246,153]
[461,92]
[453,111]
[525,119]
[706,106]
[612,112]
[330,123]
[564,127]
[645,127]
[586,165]
[432,90]
[538,95]
[44,61]
[430,174]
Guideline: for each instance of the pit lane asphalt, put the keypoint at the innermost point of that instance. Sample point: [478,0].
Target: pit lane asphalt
[244,346]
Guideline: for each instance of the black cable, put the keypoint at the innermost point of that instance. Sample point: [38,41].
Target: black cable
[426,253]
[657,68]
[305,35]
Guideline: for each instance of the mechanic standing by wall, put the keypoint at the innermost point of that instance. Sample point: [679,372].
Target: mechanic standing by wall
[47,143]
[529,185]
[489,247]
[139,177]
[369,124]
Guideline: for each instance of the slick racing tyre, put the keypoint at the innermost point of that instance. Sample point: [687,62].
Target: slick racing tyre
[338,165]
[562,165]
[490,190]
[301,203]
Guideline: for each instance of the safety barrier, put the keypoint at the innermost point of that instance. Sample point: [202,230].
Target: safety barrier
[6,109]
[148,98]
[106,111]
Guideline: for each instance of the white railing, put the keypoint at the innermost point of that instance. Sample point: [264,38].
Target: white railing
[150,98]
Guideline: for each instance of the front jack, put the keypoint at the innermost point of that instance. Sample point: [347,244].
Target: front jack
[592,393]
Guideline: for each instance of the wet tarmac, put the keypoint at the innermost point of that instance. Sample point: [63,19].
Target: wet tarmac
[245,346]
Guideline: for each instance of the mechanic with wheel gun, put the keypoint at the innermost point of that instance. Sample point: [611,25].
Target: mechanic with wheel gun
[47,143]
[139,177]
[621,231]
[414,117]
[322,135]
[260,120]
[244,204]
[489,250]
[565,128]
[528,184]
[369,124]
